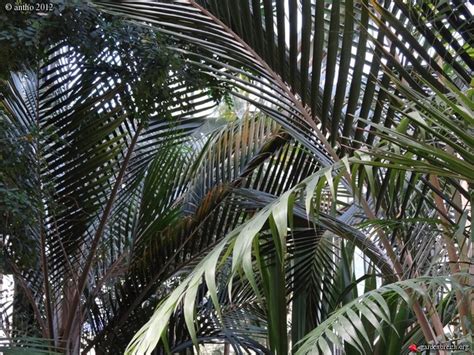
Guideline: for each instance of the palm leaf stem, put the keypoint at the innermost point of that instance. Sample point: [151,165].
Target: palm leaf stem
[452,255]
[29,295]
[44,261]
[95,241]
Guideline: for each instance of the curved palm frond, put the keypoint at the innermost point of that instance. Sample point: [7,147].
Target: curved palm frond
[133,213]
[346,324]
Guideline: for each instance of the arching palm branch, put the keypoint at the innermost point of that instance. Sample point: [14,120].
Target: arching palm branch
[350,153]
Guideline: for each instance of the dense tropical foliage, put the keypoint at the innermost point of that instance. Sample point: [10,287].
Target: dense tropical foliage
[269,176]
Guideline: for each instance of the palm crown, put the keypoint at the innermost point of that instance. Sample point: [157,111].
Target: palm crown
[332,210]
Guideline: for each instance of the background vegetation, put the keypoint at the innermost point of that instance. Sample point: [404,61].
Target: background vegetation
[273,176]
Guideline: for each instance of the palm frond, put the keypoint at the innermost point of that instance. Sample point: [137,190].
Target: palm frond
[346,324]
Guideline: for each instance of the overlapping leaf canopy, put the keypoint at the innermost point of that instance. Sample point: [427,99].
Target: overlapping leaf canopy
[268,195]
